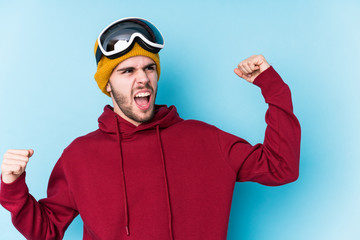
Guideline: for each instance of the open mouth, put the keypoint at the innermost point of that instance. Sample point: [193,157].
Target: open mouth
[142,100]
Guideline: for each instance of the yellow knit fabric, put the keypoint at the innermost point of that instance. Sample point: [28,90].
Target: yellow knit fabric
[107,65]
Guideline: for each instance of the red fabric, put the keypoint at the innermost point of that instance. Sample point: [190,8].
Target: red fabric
[177,176]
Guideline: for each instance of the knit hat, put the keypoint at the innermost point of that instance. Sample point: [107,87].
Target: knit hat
[107,65]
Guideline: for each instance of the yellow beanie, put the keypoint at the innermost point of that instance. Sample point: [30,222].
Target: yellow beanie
[107,65]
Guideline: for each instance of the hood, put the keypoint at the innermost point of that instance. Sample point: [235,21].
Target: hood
[164,117]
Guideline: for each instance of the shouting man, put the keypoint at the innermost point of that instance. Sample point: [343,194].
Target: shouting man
[147,174]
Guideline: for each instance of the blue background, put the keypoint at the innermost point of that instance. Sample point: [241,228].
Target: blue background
[48,95]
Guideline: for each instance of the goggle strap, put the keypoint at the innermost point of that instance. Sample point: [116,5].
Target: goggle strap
[98,55]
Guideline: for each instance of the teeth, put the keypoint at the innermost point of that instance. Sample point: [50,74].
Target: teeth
[144,94]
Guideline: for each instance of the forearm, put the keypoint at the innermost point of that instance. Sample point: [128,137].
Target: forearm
[26,213]
[276,160]
[281,146]
[33,219]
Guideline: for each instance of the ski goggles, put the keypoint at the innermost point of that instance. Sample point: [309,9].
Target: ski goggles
[120,36]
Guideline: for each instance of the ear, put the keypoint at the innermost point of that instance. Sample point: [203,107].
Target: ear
[108,86]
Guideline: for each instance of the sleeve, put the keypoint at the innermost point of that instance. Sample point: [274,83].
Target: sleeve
[276,160]
[44,219]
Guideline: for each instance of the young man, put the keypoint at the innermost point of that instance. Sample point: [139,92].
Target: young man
[146,173]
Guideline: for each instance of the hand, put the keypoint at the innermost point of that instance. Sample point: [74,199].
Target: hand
[14,164]
[251,67]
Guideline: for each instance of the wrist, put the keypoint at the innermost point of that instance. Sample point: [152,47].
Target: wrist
[8,179]
[264,67]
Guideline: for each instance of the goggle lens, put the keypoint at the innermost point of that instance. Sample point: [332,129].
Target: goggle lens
[115,40]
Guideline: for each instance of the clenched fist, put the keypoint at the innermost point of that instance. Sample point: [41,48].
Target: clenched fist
[14,164]
[251,67]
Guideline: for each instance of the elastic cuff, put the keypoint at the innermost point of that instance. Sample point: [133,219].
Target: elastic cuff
[14,190]
[269,81]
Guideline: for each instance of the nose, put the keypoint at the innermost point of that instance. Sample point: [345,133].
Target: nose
[142,77]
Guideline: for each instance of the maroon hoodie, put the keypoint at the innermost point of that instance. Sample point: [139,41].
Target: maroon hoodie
[165,179]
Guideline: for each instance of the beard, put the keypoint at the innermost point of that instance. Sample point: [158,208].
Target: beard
[124,103]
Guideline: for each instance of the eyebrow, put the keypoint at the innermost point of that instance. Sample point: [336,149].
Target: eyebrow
[126,68]
[132,68]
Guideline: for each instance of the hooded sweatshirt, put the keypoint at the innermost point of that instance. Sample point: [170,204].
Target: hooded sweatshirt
[162,180]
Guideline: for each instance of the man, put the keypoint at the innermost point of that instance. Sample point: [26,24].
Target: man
[146,173]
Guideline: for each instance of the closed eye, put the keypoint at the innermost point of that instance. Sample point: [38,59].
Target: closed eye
[126,70]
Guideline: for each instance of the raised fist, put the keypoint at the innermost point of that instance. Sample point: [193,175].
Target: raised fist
[251,67]
[14,164]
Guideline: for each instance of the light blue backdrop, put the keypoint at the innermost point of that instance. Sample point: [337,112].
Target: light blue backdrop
[48,96]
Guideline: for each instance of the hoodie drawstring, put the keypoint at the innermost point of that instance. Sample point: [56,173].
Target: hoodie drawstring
[166,182]
[127,229]
[123,174]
